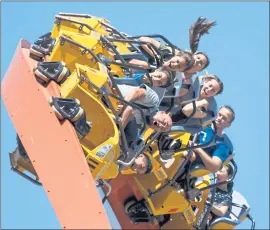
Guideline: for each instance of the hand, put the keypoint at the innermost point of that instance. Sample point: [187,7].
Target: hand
[193,156]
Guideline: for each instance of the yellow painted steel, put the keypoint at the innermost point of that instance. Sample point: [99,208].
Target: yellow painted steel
[102,122]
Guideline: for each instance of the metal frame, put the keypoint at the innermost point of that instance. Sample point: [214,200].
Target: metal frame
[64,39]
[180,171]
[106,94]
[223,182]
[157,36]
[150,46]
[76,15]
[59,18]
[118,33]
[132,66]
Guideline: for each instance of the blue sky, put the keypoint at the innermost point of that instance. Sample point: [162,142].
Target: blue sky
[239,51]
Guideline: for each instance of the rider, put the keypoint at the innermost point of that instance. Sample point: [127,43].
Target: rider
[222,198]
[201,60]
[215,155]
[147,99]
[206,103]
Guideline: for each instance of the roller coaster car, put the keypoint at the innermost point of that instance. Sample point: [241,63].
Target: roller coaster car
[237,213]
[88,102]
[86,99]
[167,178]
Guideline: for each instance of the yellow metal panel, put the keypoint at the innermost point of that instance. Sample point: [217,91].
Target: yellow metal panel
[72,54]
[75,27]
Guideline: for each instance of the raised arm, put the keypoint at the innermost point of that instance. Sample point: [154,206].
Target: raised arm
[220,210]
[211,163]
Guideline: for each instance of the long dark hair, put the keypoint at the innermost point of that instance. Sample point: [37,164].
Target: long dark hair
[199,28]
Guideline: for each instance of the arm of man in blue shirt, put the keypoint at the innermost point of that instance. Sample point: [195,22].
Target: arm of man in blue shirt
[219,156]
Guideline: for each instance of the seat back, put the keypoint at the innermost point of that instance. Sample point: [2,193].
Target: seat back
[194,92]
[236,214]
[239,212]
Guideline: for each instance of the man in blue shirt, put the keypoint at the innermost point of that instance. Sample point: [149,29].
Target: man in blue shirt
[216,154]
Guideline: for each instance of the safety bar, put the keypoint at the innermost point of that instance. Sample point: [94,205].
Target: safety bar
[59,18]
[107,61]
[118,33]
[76,15]
[248,215]
[150,46]
[134,106]
[173,47]
[63,39]
[182,167]
[105,40]
[172,102]
[252,221]
[223,182]
[128,65]
[118,120]
[202,222]
[140,151]
[157,36]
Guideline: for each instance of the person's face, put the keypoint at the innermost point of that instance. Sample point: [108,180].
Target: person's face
[223,119]
[159,78]
[140,164]
[199,64]
[222,175]
[210,88]
[161,122]
[176,63]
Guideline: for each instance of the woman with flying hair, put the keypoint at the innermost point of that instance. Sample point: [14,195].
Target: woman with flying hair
[200,60]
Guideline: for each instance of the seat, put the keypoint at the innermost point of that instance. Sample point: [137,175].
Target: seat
[196,87]
[173,91]
[239,211]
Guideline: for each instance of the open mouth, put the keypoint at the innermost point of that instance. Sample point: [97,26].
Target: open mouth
[170,65]
[155,123]
[204,90]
